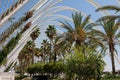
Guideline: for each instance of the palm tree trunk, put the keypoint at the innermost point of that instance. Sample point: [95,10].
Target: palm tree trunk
[55,57]
[111,50]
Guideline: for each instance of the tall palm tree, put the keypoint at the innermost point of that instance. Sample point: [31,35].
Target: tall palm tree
[110,36]
[79,32]
[51,34]
[30,49]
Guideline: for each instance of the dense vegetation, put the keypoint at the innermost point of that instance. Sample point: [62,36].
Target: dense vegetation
[74,55]
[72,50]
[76,65]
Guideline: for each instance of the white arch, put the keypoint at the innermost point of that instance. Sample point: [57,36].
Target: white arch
[38,5]
[52,17]
[96,5]
[42,8]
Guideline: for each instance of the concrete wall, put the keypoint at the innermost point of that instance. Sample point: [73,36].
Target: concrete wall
[6,76]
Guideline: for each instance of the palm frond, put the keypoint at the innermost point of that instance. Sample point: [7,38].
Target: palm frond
[77,19]
[99,33]
[109,17]
[89,26]
[109,7]
[117,35]
[85,21]
[66,25]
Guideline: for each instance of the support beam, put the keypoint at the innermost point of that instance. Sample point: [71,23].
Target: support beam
[2,21]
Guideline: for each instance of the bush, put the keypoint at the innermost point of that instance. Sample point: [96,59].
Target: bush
[47,68]
[20,77]
[36,68]
[84,64]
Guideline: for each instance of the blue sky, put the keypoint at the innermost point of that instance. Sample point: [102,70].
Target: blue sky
[81,5]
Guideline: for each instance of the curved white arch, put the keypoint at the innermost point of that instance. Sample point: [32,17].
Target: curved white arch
[43,8]
[96,5]
[57,9]
[38,5]
[52,17]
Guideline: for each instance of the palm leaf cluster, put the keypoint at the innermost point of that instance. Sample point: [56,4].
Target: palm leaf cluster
[77,33]
[35,34]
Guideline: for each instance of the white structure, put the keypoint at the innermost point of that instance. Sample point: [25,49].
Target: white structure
[6,76]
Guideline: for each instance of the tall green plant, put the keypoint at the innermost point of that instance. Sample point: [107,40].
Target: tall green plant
[109,36]
[84,64]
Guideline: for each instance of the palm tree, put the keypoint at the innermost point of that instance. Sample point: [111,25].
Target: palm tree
[30,49]
[110,36]
[46,49]
[78,33]
[51,32]
[112,17]
[26,56]
[37,53]
[35,34]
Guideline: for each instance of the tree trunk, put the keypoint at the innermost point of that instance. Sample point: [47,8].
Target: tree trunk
[111,50]
[55,57]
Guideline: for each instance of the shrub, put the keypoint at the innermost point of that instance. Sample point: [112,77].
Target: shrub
[47,68]
[84,64]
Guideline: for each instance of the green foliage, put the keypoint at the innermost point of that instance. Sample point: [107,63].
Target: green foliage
[4,61]
[51,32]
[36,68]
[42,68]
[84,64]
[20,77]
[26,56]
[110,77]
